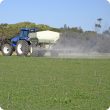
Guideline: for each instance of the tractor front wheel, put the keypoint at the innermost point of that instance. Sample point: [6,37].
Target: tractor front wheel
[7,50]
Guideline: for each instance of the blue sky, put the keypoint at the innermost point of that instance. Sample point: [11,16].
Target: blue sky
[56,13]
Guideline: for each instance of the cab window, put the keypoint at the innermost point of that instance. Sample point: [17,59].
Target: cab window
[23,34]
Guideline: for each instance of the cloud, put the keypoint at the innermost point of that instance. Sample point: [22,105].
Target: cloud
[108,1]
[1,1]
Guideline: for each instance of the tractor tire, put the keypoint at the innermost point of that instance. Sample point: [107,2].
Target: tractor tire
[33,50]
[54,53]
[22,48]
[7,50]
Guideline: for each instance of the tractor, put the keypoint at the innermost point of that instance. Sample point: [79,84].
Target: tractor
[34,41]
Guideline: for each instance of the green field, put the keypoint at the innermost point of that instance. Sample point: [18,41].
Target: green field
[28,83]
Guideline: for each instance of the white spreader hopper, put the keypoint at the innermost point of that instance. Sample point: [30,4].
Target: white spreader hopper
[44,36]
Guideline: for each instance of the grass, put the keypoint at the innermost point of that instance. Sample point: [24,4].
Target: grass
[28,83]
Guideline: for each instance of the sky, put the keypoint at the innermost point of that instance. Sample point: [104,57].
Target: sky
[56,13]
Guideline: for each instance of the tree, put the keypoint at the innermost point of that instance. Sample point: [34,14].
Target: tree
[98,26]
[107,32]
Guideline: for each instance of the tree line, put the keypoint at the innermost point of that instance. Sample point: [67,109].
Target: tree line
[74,37]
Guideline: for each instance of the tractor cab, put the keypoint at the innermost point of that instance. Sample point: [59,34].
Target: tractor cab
[24,35]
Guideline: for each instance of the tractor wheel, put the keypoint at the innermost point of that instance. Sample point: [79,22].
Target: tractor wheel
[33,50]
[54,53]
[7,50]
[22,48]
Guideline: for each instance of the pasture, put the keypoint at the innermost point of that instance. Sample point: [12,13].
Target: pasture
[28,83]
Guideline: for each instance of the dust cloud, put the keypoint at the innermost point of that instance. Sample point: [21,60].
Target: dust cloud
[90,45]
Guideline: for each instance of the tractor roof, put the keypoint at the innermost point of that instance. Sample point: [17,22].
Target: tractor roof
[25,29]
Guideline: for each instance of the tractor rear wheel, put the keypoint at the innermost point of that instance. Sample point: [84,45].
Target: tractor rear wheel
[7,50]
[33,50]
[22,48]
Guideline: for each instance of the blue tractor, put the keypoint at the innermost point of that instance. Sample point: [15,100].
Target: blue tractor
[19,44]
